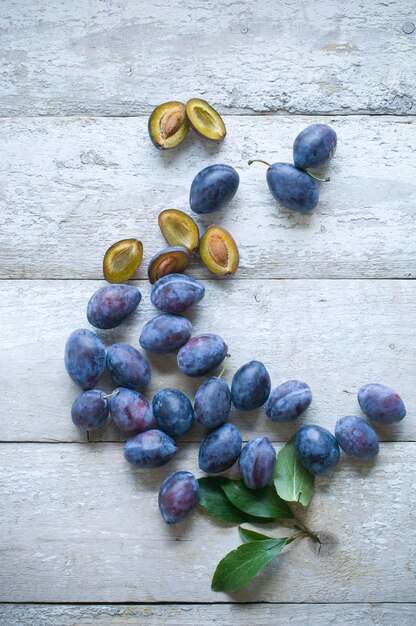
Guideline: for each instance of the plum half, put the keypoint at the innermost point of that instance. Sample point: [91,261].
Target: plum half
[173,260]
[205,120]
[219,251]
[168,125]
[179,229]
[122,260]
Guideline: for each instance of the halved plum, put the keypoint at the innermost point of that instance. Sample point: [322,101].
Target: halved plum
[122,260]
[173,260]
[205,120]
[168,125]
[219,251]
[179,229]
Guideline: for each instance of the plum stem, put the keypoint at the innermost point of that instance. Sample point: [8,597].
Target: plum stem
[258,161]
[307,531]
[113,393]
[227,358]
[321,180]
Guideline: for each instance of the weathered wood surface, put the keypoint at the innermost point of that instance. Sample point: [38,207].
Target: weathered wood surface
[123,58]
[71,187]
[335,335]
[82,525]
[225,614]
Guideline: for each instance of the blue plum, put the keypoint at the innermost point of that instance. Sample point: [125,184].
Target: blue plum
[292,187]
[213,188]
[111,305]
[289,400]
[212,402]
[317,449]
[251,386]
[381,404]
[173,412]
[130,411]
[165,333]
[152,448]
[178,496]
[90,410]
[84,358]
[256,462]
[314,146]
[201,354]
[175,293]
[356,437]
[220,449]
[127,366]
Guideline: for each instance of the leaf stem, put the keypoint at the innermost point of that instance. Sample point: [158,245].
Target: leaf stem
[227,358]
[258,161]
[307,531]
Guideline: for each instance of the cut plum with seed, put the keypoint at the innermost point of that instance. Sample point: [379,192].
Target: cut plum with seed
[122,260]
[168,125]
[172,260]
[205,120]
[179,229]
[219,251]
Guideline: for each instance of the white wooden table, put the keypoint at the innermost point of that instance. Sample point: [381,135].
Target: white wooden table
[326,298]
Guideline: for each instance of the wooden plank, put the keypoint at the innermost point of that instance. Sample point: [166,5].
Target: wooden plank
[71,187]
[81,525]
[123,58]
[335,335]
[225,614]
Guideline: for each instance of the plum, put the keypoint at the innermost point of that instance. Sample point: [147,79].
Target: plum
[314,146]
[317,449]
[152,448]
[356,437]
[256,462]
[84,358]
[179,229]
[289,400]
[122,260]
[250,386]
[90,410]
[173,412]
[111,305]
[168,125]
[220,449]
[205,120]
[127,366]
[219,251]
[165,333]
[201,354]
[212,402]
[213,188]
[173,260]
[175,293]
[381,404]
[130,411]
[178,496]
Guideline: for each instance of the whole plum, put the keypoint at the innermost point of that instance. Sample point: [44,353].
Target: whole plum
[173,412]
[220,449]
[289,400]
[317,449]
[165,333]
[213,188]
[84,358]
[256,462]
[212,402]
[381,404]
[90,410]
[152,448]
[175,293]
[178,496]
[314,146]
[251,386]
[130,411]
[356,437]
[127,366]
[201,354]
[111,305]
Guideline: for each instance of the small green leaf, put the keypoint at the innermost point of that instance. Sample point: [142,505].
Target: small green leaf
[250,535]
[292,481]
[240,565]
[260,502]
[216,503]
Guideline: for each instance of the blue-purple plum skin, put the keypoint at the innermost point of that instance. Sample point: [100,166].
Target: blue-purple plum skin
[212,402]
[90,410]
[201,354]
[213,188]
[165,333]
[111,305]
[220,449]
[250,387]
[356,437]
[127,366]
[130,411]
[173,412]
[152,448]
[288,401]
[381,404]
[175,293]
[292,187]
[84,358]
[178,496]
[317,449]
[314,146]
[256,462]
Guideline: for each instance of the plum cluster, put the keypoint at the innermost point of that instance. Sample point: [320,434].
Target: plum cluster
[153,428]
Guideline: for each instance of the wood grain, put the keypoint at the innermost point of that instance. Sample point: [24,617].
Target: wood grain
[82,525]
[383,614]
[124,58]
[72,187]
[334,335]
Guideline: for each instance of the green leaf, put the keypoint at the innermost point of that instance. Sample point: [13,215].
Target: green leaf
[260,502]
[250,535]
[240,565]
[292,481]
[213,499]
